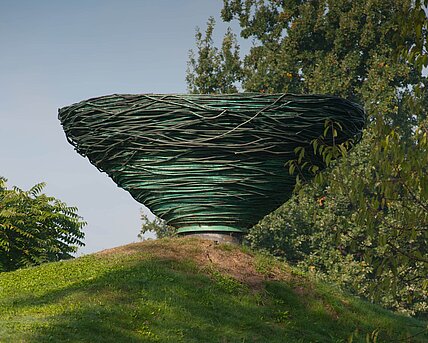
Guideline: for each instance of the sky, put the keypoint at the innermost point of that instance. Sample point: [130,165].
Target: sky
[55,53]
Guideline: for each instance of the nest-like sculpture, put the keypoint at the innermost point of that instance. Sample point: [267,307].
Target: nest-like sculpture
[205,162]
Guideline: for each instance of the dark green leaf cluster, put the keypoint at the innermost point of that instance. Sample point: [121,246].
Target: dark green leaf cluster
[36,228]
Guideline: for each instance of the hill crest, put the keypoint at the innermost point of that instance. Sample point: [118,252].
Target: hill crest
[186,290]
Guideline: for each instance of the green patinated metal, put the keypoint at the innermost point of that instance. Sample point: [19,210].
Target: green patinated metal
[205,162]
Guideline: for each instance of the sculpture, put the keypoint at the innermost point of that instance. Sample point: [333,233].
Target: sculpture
[205,163]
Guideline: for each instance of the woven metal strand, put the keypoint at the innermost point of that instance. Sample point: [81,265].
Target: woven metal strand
[208,161]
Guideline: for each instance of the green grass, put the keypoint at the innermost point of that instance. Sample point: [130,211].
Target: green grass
[147,294]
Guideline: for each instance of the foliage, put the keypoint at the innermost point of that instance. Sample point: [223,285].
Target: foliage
[414,23]
[35,228]
[214,70]
[157,226]
[319,230]
[376,218]
[140,295]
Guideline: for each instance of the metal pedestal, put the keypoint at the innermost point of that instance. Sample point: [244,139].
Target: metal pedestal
[217,237]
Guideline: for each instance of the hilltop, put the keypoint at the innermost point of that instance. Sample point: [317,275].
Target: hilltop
[187,290]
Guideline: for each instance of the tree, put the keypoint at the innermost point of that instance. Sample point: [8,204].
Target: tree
[324,228]
[374,214]
[36,228]
[157,226]
[214,70]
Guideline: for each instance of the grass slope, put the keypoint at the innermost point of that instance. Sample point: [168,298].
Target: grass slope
[185,290]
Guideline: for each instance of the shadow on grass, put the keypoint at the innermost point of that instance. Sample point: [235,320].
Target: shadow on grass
[167,301]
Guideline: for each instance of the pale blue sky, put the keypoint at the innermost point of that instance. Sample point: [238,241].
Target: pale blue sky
[58,52]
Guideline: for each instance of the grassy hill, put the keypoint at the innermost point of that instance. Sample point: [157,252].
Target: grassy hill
[186,290]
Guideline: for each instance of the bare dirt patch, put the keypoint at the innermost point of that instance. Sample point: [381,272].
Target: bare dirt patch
[229,260]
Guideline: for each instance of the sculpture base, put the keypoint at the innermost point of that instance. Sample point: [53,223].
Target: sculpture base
[209,228]
[217,237]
